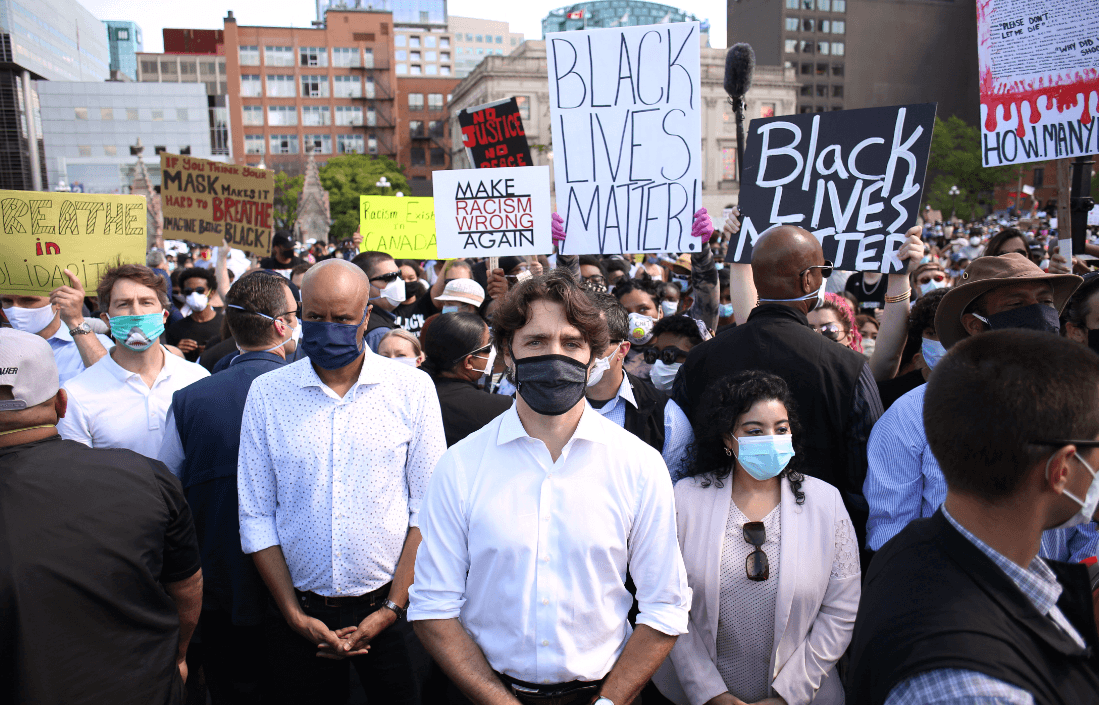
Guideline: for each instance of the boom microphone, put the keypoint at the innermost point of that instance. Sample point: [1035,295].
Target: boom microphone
[739,64]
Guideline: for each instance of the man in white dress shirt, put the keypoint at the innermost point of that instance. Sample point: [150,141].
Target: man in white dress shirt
[335,455]
[122,400]
[531,523]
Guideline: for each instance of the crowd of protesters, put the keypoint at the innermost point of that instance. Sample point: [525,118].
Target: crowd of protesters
[557,480]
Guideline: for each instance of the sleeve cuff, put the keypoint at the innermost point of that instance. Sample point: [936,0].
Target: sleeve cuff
[257,534]
[422,607]
[666,619]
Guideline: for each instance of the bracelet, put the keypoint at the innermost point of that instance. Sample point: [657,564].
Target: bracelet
[899,298]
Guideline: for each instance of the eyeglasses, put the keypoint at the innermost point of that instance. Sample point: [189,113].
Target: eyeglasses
[669,355]
[1086,444]
[831,331]
[196,290]
[825,269]
[596,279]
[756,564]
[388,277]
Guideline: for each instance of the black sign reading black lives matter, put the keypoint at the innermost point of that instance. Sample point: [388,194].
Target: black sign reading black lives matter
[854,178]
[494,135]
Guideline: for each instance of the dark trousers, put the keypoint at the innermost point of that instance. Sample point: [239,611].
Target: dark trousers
[233,672]
[393,673]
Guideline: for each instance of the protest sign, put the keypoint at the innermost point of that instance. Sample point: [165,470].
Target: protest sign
[205,201]
[1038,64]
[403,227]
[493,135]
[492,212]
[853,178]
[47,233]
[626,122]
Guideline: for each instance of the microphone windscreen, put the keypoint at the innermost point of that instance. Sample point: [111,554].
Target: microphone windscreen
[739,63]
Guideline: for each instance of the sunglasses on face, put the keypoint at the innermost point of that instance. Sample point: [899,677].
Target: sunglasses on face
[388,277]
[825,269]
[669,355]
[196,290]
[925,278]
[596,279]
[830,330]
[756,565]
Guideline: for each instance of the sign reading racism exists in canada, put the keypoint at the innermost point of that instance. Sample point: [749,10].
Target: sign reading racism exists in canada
[44,234]
[854,178]
[493,135]
[492,212]
[205,201]
[403,227]
[1038,62]
[626,122]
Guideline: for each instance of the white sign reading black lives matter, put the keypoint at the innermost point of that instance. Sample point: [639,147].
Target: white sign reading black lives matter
[492,212]
[627,130]
[854,178]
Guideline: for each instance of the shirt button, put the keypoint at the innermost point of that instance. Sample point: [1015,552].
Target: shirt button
[545,559]
[545,642]
[545,601]
[339,590]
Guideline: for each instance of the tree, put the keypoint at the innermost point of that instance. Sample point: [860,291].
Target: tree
[349,176]
[287,190]
[956,161]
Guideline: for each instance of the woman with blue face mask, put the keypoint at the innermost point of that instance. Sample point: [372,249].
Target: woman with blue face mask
[789,560]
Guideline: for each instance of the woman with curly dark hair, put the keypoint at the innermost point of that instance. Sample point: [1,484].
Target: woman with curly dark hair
[771,557]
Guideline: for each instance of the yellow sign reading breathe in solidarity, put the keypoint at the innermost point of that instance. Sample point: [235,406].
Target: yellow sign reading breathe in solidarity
[42,234]
[403,227]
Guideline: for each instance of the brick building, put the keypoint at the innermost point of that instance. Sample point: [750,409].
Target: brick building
[422,116]
[333,88]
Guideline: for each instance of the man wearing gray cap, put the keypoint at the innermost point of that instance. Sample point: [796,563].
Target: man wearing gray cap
[100,585]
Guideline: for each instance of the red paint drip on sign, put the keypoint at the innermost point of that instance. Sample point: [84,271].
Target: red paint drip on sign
[1061,93]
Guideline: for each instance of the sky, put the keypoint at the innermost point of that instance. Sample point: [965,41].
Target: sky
[525,17]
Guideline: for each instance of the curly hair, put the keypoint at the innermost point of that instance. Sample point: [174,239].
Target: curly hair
[846,315]
[559,286]
[644,284]
[727,400]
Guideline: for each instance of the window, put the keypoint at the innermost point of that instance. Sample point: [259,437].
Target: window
[469,37]
[431,70]
[350,144]
[249,56]
[793,4]
[444,56]
[792,24]
[416,70]
[430,56]
[837,48]
[481,39]
[806,90]
[85,150]
[322,144]
[417,157]
[253,116]
[132,114]
[347,87]
[524,106]
[110,150]
[400,55]
[282,115]
[824,27]
[369,87]
[514,41]
[429,41]
[402,69]
[808,25]
[250,86]
[315,115]
[414,56]
[253,144]
[444,70]
[767,110]
[372,145]
[415,128]
[837,91]
[806,69]
[839,5]
[284,144]
[435,128]
[728,163]
[314,86]
[400,40]
[106,113]
[822,91]
[279,86]
[207,68]
[822,69]
[791,46]
[837,107]
[313,56]
[438,156]
[822,48]
[346,57]
[434,101]
[499,39]
[819,109]
[158,116]
[168,67]
[805,47]
[368,58]
[123,34]
[444,42]
[414,42]
[181,114]
[837,69]
[148,67]
[807,4]
[221,67]
[839,27]
[347,115]
[278,56]
[824,5]
[188,68]
[371,118]
[805,109]
[415,101]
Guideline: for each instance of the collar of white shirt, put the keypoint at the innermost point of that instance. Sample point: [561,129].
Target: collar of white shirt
[172,364]
[371,373]
[511,427]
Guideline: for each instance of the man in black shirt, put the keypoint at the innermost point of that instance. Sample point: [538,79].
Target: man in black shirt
[282,258]
[190,334]
[869,289]
[100,585]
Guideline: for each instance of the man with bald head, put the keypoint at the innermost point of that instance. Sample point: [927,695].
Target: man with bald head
[336,451]
[837,399]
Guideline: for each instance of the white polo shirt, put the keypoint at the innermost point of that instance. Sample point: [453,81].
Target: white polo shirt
[111,407]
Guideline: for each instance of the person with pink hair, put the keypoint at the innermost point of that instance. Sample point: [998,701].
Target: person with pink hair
[835,319]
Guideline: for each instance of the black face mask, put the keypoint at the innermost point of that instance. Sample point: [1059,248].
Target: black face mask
[1093,339]
[550,384]
[1034,317]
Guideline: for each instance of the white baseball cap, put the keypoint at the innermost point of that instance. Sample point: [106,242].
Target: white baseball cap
[465,291]
[28,367]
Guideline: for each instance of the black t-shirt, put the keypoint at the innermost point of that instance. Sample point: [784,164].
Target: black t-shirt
[411,316]
[90,538]
[201,333]
[280,267]
[869,296]
[891,390]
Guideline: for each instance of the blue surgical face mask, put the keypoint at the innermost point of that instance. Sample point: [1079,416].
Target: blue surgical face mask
[931,286]
[725,310]
[933,351]
[764,457]
[138,333]
[332,345]
[451,309]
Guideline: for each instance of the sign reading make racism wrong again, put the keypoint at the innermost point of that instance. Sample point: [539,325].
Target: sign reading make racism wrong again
[492,212]
[853,178]
[627,128]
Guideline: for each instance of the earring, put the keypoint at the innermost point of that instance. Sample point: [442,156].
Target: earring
[728,452]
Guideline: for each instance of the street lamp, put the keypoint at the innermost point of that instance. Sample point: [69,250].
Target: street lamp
[954,191]
[383,182]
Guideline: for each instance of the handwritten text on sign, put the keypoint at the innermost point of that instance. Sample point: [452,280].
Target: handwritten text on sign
[403,227]
[42,234]
[853,178]
[626,123]
[205,201]
[493,212]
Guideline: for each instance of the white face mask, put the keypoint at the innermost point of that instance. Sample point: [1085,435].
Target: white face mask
[30,320]
[601,365]
[641,328]
[669,307]
[197,301]
[868,345]
[394,292]
[663,376]
[1088,504]
[490,361]
[410,361]
[974,241]
[818,295]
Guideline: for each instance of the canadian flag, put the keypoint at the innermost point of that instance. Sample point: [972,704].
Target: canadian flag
[578,15]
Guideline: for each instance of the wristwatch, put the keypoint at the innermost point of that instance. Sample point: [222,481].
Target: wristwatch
[82,329]
[603,701]
[395,608]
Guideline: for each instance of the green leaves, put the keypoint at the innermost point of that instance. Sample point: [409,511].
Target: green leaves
[955,160]
[348,176]
[287,190]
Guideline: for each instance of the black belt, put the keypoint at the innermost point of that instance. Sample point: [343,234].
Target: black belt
[375,597]
[573,692]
